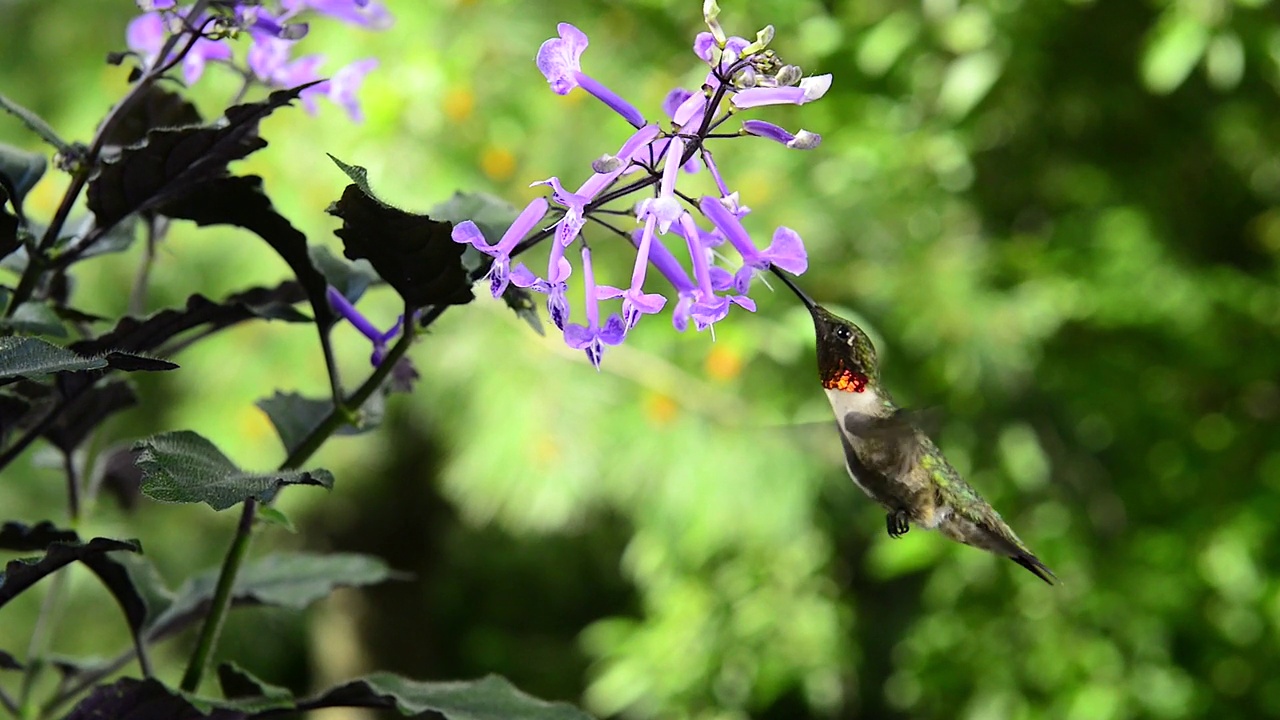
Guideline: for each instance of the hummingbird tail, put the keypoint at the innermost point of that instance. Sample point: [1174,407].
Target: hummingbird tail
[791,285]
[1032,563]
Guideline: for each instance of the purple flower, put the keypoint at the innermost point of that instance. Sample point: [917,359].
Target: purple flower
[343,307]
[364,13]
[499,274]
[146,35]
[343,86]
[558,60]
[592,337]
[803,140]
[554,286]
[786,251]
[575,203]
[810,89]
[707,308]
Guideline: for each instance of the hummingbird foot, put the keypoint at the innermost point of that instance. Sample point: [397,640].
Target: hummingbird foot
[896,523]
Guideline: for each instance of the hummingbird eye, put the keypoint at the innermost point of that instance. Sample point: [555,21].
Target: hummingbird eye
[844,334]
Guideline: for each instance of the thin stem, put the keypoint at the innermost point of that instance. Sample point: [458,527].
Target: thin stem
[80,177]
[40,635]
[221,602]
[338,415]
[7,703]
[14,450]
[138,297]
[73,486]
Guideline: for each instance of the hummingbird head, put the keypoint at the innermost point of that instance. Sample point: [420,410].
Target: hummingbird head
[846,357]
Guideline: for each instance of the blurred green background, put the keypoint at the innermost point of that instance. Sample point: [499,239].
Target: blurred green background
[1060,221]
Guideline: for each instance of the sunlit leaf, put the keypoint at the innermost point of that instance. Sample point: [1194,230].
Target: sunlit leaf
[183,467]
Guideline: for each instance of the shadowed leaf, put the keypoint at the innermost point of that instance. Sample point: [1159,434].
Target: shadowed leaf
[415,254]
[88,410]
[148,334]
[291,580]
[32,358]
[23,573]
[8,662]
[145,700]
[19,172]
[172,162]
[157,108]
[20,537]
[294,416]
[240,201]
[490,698]
[183,467]
[349,278]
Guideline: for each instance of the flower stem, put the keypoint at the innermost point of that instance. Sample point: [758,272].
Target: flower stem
[337,417]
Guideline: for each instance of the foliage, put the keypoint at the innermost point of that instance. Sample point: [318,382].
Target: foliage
[1057,221]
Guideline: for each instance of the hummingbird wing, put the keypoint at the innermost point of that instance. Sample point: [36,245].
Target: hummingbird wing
[897,431]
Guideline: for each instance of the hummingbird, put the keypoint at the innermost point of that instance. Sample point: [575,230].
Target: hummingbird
[891,458]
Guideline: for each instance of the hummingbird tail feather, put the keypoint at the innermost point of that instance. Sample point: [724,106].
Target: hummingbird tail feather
[1032,563]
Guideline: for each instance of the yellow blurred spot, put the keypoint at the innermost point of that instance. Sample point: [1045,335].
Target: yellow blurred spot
[458,104]
[660,408]
[545,451]
[758,185]
[723,364]
[497,163]
[254,423]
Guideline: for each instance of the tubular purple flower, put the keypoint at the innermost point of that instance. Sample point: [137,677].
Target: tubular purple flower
[803,140]
[554,287]
[592,337]
[635,301]
[810,89]
[786,251]
[344,85]
[707,308]
[674,100]
[715,172]
[343,307]
[574,211]
[366,14]
[558,60]
[499,274]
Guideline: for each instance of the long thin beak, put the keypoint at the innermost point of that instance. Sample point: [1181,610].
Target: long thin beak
[786,280]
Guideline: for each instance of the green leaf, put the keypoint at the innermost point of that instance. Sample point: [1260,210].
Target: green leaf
[249,693]
[19,172]
[415,254]
[35,318]
[883,44]
[295,416]
[35,123]
[291,580]
[273,516]
[183,467]
[358,175]
[490,213]
[32,358]
[349,278]
[490,698]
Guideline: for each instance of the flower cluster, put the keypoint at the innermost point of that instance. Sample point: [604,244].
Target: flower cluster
[202,29]
[743,74]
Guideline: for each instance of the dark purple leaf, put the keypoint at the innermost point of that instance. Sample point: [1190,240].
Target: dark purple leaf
[145,700]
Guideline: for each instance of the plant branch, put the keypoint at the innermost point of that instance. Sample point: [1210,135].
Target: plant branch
[339,415]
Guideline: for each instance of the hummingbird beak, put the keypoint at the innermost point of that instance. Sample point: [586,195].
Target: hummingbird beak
[804,298]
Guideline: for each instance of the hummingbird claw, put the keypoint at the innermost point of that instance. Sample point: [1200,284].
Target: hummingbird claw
[897,524]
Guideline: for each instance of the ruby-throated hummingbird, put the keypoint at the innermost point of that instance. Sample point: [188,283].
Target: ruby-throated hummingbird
[891,458]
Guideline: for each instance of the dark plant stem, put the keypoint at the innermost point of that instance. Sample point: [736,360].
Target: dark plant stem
[80,177]
[40,635]
[138,298]
[73,486]
[14,450]
[339,415]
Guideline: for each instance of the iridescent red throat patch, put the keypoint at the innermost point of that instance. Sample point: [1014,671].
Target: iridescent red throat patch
[846,381]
